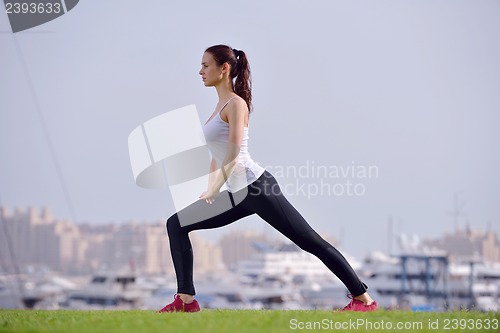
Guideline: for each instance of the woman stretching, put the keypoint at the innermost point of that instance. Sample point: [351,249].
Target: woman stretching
[250,188]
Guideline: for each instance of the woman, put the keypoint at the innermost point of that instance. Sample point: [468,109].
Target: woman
[251,189]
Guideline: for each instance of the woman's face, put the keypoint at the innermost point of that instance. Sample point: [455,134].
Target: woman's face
[210,73]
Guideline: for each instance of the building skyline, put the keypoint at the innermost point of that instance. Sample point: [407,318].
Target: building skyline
[39,239]
[36,238]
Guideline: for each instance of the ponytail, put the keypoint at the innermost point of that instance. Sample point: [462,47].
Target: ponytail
[243,82]
[240,70]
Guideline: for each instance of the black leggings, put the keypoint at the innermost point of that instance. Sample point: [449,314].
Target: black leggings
[264,198]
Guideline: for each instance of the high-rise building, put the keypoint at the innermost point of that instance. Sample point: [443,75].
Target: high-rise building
[207,256]
[32,238]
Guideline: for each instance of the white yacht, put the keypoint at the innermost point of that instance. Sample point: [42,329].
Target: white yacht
[37,290]
[108,290]
[287,261]
[294,278]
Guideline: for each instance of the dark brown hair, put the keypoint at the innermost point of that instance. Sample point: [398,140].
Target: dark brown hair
[240,69]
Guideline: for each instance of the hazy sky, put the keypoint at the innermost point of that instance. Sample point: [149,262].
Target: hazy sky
[410,87]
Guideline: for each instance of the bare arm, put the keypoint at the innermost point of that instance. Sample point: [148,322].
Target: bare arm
[213,173]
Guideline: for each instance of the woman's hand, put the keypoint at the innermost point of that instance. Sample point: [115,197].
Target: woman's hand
[209,196]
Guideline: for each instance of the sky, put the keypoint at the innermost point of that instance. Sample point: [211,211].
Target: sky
[406,89]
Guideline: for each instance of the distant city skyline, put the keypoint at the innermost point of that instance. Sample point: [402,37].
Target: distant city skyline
[410,88]
[33,239]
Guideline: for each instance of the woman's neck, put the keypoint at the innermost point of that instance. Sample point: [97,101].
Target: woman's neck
[224,90]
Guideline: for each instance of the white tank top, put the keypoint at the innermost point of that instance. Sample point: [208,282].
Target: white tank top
[246,171]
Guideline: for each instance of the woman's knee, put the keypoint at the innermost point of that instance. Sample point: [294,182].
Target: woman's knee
[173,224]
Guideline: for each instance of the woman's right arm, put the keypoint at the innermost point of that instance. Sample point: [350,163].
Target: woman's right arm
[212,178]
[213,173]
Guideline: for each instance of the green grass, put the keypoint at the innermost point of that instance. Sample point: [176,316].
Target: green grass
[240,321]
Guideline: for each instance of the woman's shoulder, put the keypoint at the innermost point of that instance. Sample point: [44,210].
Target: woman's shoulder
[236,107]
[236,100]
[237,104]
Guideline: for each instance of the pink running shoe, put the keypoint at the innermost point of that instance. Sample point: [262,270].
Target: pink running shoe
[179,306]
[355,305]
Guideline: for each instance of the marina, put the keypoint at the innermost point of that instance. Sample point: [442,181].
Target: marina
[282,277]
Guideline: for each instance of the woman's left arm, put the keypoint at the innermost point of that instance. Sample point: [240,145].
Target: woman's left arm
[236,113]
